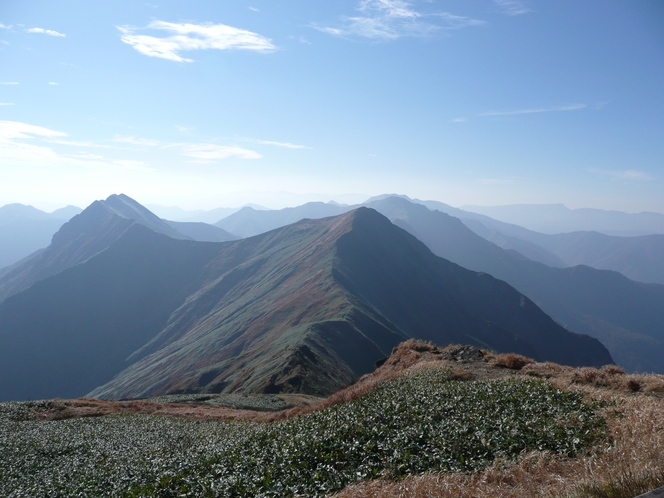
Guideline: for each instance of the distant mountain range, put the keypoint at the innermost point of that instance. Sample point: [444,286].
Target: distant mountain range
[556,218]
[117,307]
[25,229]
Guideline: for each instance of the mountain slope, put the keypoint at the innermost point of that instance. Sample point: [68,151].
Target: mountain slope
[85,235]
[25,229]
[628,317]
[73,331]
[202,232]
[311,306]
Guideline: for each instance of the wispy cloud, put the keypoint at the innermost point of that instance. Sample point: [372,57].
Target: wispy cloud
[460,120]
[186,36]
[6,103]
[52,83]
[12,140]
[512,7]
[9,83]
[568,107]
[392,19]
[143,142]
[628,174]
[211,152]
[75,143]
[49,32]
[254,9]
[283,144]
[4,26]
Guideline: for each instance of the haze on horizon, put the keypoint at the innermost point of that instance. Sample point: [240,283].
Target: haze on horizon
[209,104]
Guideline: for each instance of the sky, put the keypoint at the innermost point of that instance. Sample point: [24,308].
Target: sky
[203,104]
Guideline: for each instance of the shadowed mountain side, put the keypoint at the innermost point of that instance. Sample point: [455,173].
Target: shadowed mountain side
[20,238]
[628,318]
[71,332]
[202,232]
[85,235]
[25,229]
[530,250]
[248,221]
[311,306]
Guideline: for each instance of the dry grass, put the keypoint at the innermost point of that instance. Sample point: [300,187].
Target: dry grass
[633,464]
[629,464]
[511,361]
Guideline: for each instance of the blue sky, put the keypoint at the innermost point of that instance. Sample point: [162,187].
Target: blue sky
[204,104]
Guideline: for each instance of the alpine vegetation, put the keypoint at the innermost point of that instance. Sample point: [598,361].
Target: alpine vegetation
[419,422]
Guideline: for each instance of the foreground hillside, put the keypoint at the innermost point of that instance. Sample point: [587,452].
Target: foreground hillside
[429,422]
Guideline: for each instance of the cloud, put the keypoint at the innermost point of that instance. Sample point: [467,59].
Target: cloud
[45,31]
[392,19]
[628,174]
[75,143]
[569,107]
[4,26]
[9,83]
[512,7]
[460,120]
[12,134]
[212,152]
[253,8]
[283,144]
[6,103]
[184,37]
[144,142]
[52,83]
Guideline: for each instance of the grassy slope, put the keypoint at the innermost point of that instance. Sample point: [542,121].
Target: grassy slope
[517,437]
[310,307]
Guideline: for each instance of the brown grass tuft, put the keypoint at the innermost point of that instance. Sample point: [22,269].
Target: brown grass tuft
[511,361]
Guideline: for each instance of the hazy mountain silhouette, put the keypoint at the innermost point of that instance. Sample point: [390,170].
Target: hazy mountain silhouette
[202,232]
[638,258]
[86,234]
[25,229]
[306,308]
[556,218]
[627,316]
[249,221]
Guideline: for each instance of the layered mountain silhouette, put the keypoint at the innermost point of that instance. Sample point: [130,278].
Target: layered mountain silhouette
[305,308]
[630,321]
[249,221]
[25,229]
[93,231]
[638,258]
[627,316]
[556,218]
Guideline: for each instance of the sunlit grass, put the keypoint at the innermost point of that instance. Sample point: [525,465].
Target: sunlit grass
[417,423]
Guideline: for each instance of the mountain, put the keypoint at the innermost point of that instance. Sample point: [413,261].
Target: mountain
[639,258]
[86,234]
[202,232]
[627,316]
[69,333]
[249,221]
[306,308]
[556,218]
[25,229]
[313,305]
